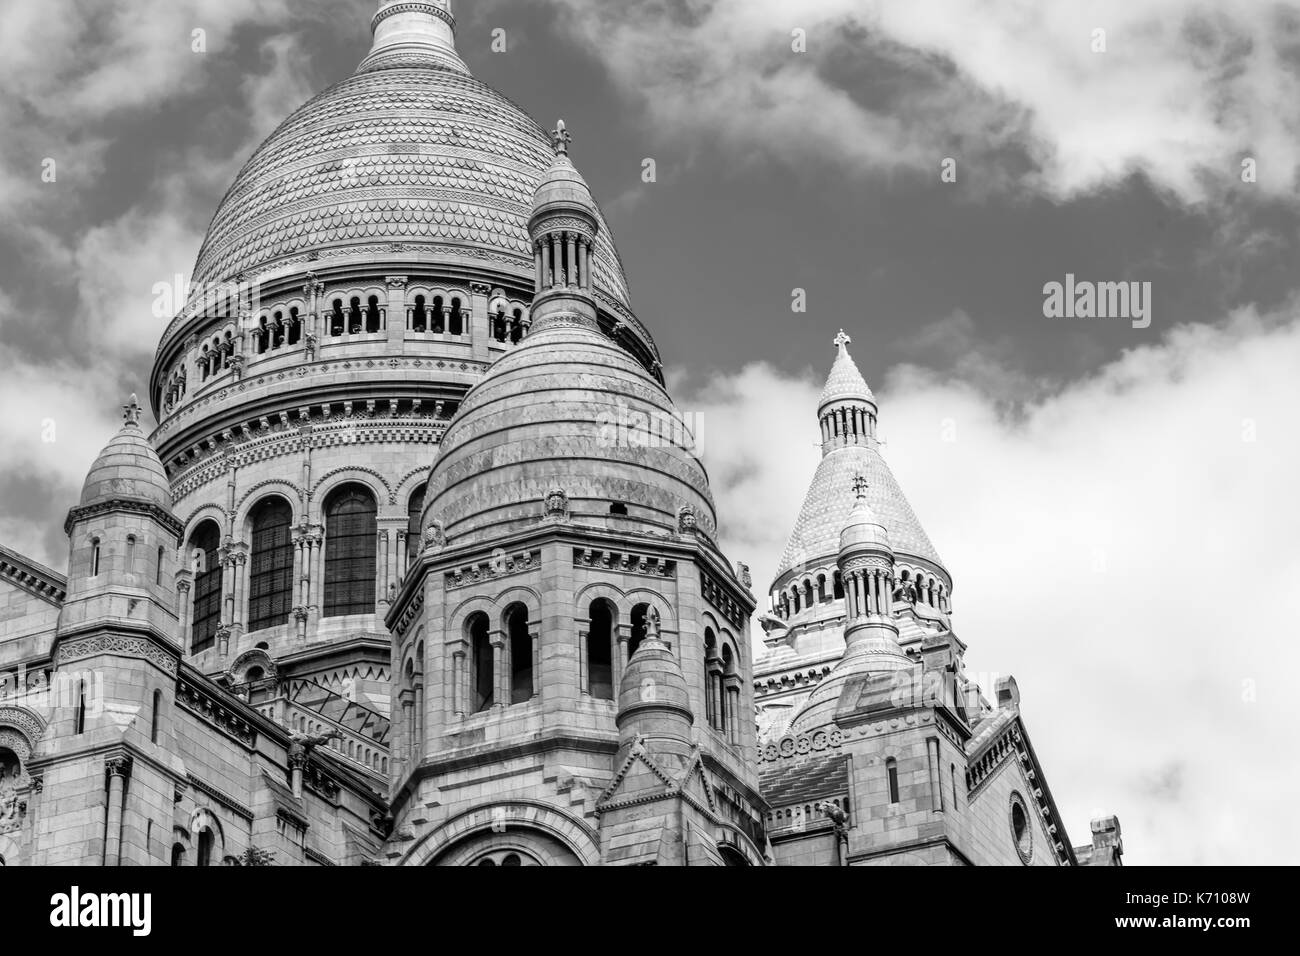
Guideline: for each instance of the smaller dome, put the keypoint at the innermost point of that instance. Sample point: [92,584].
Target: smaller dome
[562,188]
[863,530]
[652,696]
[845,382]
[128,467]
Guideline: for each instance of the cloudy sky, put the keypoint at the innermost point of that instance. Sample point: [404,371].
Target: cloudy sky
[1116,504]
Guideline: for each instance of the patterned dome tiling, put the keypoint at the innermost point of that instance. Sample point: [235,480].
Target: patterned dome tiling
[415,155]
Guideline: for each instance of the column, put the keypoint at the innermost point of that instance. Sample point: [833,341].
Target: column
[402,560]
[118,769]
[418,726]
[624,632]
[382,569]
[572,276]
[408,706]
[500,686]
[584,264]
[549,277]
[458,683]
[184,612]
[539,264]
[535,636]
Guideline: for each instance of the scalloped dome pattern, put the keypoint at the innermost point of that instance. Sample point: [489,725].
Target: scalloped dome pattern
[395,155]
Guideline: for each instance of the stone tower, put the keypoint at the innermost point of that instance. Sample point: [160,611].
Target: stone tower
[566,512]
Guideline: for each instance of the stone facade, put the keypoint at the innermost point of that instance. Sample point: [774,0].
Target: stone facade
[420,567]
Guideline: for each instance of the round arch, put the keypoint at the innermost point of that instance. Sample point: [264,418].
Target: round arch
[507,818]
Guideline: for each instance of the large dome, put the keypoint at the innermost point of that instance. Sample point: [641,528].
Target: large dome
[568,410]
[410,149]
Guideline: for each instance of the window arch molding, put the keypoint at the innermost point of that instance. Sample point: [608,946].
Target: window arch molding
[331,481]
[255,495]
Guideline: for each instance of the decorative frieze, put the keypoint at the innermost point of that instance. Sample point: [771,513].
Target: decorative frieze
[498,565]
[627,562]
[721,599]
[213,712]
[79,649]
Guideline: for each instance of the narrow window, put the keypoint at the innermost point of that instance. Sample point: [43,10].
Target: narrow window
[81,707]
[94,558]
[420,316]
[454,321]
[206,541]
[157,708]
[728,668]
[712,676]
[481,662]
[437,327]
[351,535]
[891,771]
[205,848]
[414,511]
[600,666]
[159,573]
[295,326]
[270,579]
[354,315]
[337,322]
[178,854]
[373,321]
[839,586]
[517,327]
[521,654]
[639,614]
[261,335]
[954,785]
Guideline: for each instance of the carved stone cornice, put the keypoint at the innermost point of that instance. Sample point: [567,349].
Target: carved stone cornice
[129,505]
[118,645]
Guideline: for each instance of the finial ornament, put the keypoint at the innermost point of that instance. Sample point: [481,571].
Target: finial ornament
[860,485]
[131,412]
[841,341]
[561,138]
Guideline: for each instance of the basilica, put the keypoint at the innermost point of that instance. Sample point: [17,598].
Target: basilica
[383,587]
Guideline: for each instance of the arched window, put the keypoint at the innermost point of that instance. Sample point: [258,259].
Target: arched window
[481,669]
[354,315]
[712,678]
[207,587]
[270,577]
[728,669]
[373,320]
[821,587]
[205,848]
[521,653]
[337,321]
[130,554]
[455,323]
[94,558]
[891,774]
[839,586]
[277,332]
[639,614]
[436,325]
[600,660]
[178,854]
[414,510]
[260,335]
[517,327]
[295,326]
[351,536]
[419,315]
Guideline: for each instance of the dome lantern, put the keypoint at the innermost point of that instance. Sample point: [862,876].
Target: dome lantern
[413,33]
[563,226]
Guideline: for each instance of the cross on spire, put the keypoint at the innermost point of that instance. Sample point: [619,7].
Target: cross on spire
[860,485]
[841,341]
[131,412]
[561,138]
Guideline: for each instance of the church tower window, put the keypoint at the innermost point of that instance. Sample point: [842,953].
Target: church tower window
[94,558]
[521,654]
[481,669]
[419,315]
[207,587]
[270,582]
[639,614]
[373,316]
[891,773]
[351,533]
[600,659]
[455,322]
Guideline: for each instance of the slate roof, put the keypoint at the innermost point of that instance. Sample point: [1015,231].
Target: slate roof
[817,777]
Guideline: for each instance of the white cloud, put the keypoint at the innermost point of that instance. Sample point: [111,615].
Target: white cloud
[1184,91]
[1123,547]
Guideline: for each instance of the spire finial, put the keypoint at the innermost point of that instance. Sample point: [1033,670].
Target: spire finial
[841,341]
[131,412]
[561,138]
[860,485]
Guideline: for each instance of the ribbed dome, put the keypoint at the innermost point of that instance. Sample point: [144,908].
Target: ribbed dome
[412,150]
[825,510]
[845,381]
[863,531]
[569,410]
[128,467]
[562,188]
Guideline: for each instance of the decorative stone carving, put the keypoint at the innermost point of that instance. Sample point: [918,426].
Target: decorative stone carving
[435,536]
[742,572]
[557,503]
[687,522]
